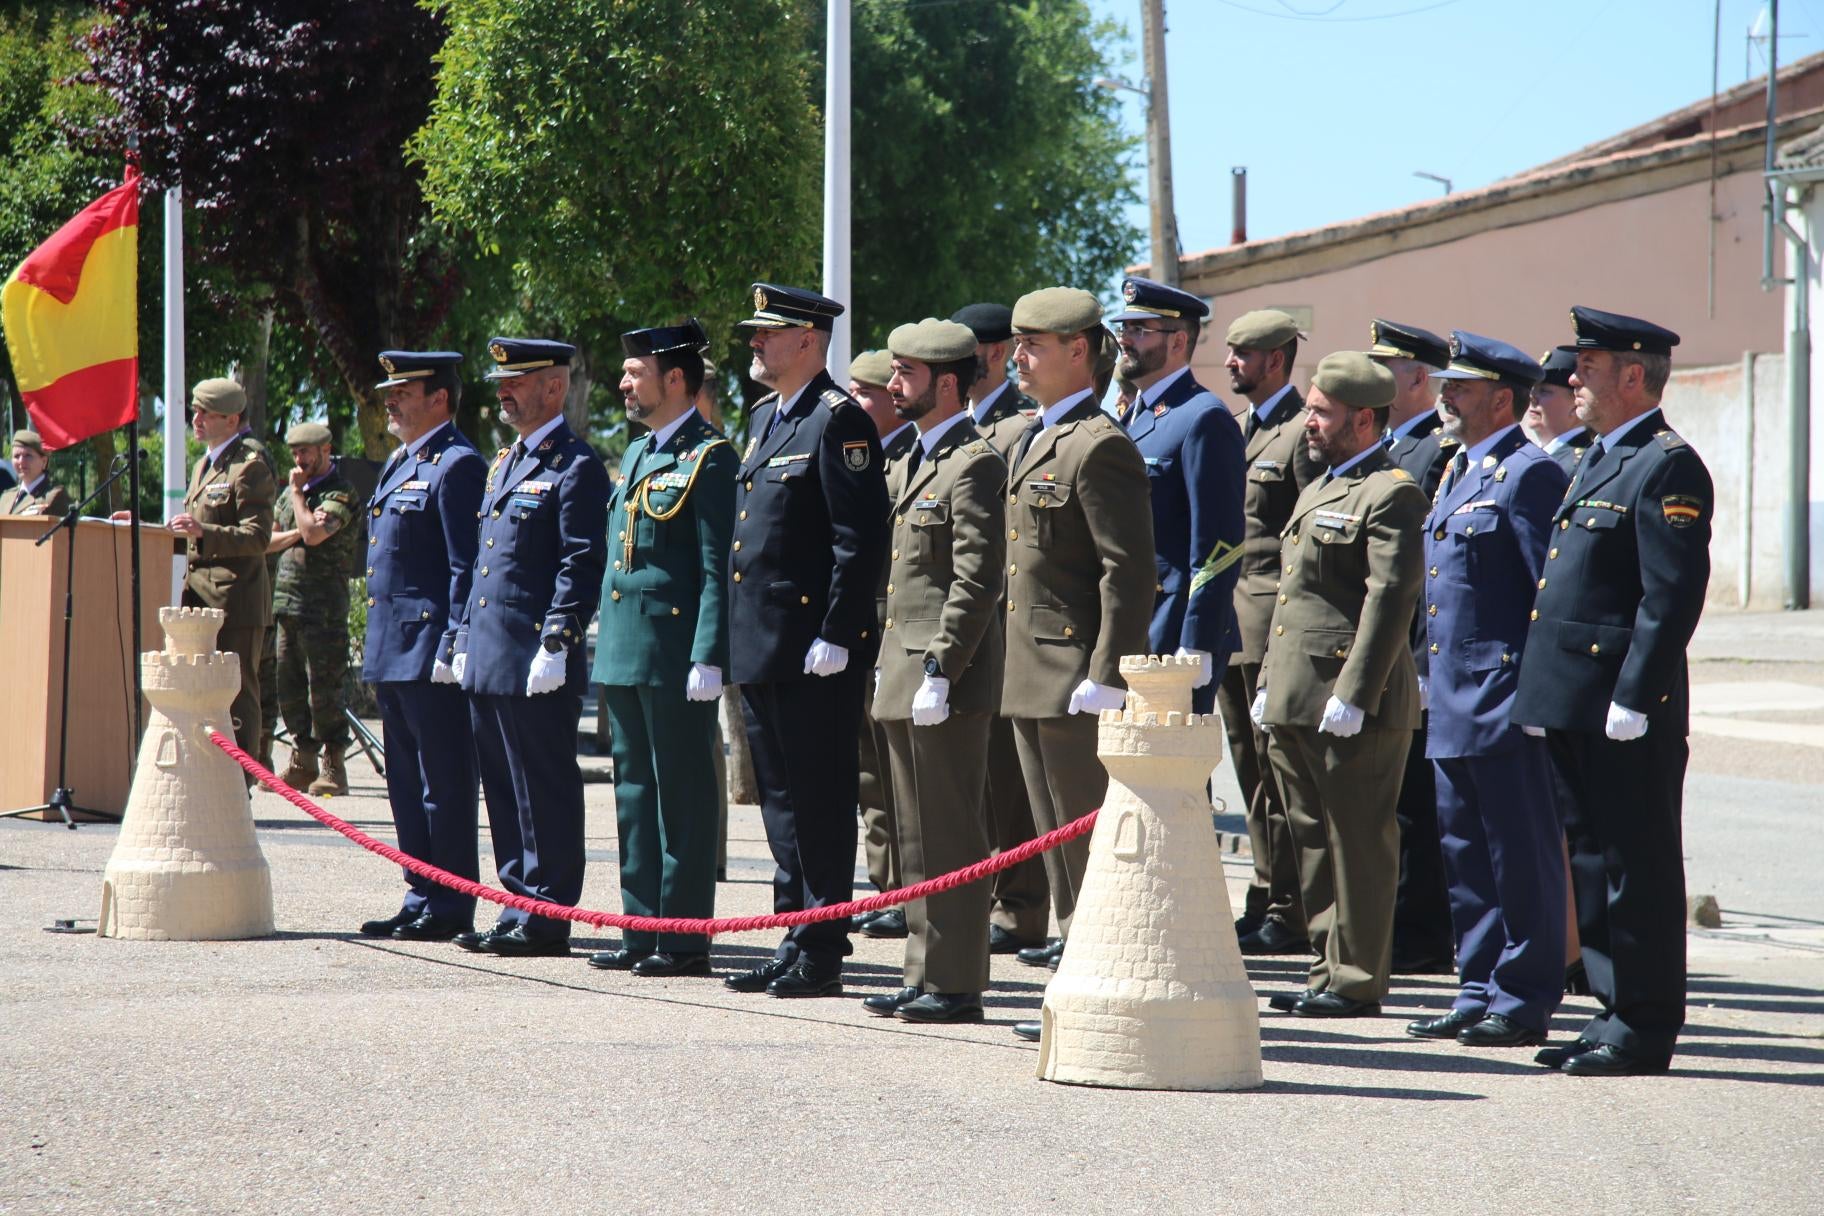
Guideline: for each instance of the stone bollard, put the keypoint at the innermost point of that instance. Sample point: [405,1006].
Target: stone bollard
[187,866]
[1151,992]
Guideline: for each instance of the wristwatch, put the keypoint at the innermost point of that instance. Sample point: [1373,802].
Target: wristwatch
[932,670]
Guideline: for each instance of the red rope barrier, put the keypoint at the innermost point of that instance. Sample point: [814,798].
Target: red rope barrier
[657,924]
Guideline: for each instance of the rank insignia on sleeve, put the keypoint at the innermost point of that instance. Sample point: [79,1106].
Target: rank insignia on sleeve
[1681,509]
[855,455]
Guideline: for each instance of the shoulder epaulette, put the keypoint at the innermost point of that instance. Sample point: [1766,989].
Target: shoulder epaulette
[1102,423]
[1448,441]
[1669,439]
[834,398]
[975,447]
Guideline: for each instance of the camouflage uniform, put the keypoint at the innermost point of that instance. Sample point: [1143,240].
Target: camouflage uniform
[310,617]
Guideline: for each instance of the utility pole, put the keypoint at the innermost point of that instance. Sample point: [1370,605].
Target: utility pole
[1159,145]
[836,183]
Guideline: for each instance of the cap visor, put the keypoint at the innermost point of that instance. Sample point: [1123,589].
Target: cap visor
[501,373]
[761,323]
[1451,373]
[394,381]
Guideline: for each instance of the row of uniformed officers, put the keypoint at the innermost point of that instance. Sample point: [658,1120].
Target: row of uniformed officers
[956,572]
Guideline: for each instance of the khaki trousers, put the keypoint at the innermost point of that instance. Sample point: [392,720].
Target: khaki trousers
[1274,889]
[1022,897]
[1064,782]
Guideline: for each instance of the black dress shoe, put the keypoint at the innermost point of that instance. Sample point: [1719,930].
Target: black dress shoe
[618,960]
[808,978]
[1556,1057]
[1248,923]
[1030,1031]
[384,928]
[1612,1061]
[885,1003]
[860,921]
[1424,964]
[428,928]
[1499,1030]
[1446,1027]
[1576,980]
[1284,1001]
[891,923]
[669,963]
[1335,1005]
[1274,938]
[517,943]
[757,979]
[942,1007]
[475,941]
[1041,956]
[1002,942]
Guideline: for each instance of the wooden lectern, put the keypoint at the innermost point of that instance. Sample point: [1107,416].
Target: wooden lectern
[103,747]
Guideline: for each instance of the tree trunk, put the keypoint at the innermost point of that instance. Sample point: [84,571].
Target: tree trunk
[254,376]
[576,402]
[742,787]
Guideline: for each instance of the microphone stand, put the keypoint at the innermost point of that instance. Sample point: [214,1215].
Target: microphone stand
[63,801]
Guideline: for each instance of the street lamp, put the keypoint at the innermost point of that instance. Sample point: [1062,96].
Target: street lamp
[1158,144]
[1434,177]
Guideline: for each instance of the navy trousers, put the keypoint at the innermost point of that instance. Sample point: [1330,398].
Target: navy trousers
[526,747]
[431,783]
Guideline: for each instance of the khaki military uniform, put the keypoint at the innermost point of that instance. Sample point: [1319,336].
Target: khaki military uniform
[1080,585]
[42,499]
[310,617]
[1351,567]
[232,498]
[1278,468]
[879,836]
[943,588]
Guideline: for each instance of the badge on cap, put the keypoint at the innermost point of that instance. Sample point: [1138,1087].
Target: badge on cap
[759,299]
[386,365]
[498,352]
[1129,291]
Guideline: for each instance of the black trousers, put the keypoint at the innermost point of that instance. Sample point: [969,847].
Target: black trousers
[526,747]
[431,781]
[1625,824]
[1422,928]
[802,735]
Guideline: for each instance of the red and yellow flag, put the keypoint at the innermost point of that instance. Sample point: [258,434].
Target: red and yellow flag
[71,313]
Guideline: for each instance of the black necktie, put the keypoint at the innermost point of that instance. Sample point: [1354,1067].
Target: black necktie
[1026,437]
[917,458]
[1253,426]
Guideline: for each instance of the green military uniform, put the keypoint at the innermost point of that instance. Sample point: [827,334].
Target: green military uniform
[41,497]
[232,498]
[663,609]
[1351,567]
[310,616]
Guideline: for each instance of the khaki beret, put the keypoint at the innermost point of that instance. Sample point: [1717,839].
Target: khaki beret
[1056,310]
[1262,329]
[871,367]
[932,341]
[308,432]
[1351,378]
[219,396]
[28,439]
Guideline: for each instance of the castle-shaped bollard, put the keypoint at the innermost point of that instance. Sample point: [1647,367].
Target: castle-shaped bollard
[1151,992]
[187,866]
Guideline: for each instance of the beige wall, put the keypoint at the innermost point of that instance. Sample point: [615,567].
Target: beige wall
[1645,256]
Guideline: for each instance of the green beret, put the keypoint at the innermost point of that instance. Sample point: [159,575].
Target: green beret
[308,432]
[219,397]
[28,439]
[1056,310]
[871,367]
[1351,378]
[932,341]
[1263,329]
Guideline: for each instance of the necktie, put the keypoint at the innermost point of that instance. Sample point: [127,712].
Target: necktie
[1459,464]
[1253,426]
[917,458]
[1388,440]
[1026,437]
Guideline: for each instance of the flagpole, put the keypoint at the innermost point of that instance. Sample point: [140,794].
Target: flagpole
[175,473]
[836,184]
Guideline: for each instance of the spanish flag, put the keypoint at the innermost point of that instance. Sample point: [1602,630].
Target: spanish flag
[71,313]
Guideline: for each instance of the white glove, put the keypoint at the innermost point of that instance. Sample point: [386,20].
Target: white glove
[1537,732]
[458,665]
[931,703]
[825,658]
[1206,672]
[443,673]
[1424,693]
[547,672]
[1090,697]
[1625,724]
[1257,712]
[1341,719]
[704,683]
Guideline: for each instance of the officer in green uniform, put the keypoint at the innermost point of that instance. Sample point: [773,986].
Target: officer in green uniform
[663,646]
[314,546]
[35,494]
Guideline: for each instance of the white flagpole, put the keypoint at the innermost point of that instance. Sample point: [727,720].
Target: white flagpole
[836,183]
[176,470]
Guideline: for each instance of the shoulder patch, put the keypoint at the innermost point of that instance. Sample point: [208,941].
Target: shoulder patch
[834,398]
[1669,439]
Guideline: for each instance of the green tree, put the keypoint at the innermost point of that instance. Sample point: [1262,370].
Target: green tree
[987,162]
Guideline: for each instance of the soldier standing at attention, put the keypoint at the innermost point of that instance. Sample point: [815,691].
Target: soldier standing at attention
[226,524]
[519,650]
[1263,346]
[663,645]
[314,545]
[869,373]
[35,494]
[1485,546]
[1080,574]
[940,666]
[1338,694]
[1195,467]
[1021,907]
[1605,676]
[809,540]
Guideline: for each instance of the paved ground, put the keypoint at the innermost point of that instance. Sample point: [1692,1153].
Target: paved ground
[320,1072]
